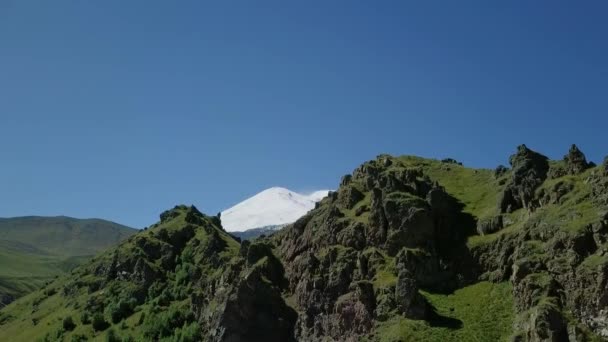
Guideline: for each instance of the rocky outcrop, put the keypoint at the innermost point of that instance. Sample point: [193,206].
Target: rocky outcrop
[555,193]
[408,300]
[500,171]
[348,196]
[489,225]
[575,161]
[529,171]
[334,255]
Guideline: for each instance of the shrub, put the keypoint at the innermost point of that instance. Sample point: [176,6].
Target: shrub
[99,322]
[68,324]
[121,310]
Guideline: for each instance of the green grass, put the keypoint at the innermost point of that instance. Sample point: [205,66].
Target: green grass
[485,311]
[475,188]
[34,250]
[594,261]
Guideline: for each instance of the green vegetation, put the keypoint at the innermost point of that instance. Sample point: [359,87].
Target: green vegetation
[476,189]
[123,310]
[34,250]
[359,267]
[480,312]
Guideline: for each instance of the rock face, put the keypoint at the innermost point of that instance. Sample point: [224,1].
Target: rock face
[529,171]
[333,272]
[491,225]
[575,161]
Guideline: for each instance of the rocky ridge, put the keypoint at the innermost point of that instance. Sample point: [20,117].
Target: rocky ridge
[406,249]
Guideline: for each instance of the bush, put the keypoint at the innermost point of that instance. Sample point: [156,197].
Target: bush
[121,310]
[164,323]
[68,324]
[99,322]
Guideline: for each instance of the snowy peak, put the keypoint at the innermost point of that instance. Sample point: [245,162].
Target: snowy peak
[274,206]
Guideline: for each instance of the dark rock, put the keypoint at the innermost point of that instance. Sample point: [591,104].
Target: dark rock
[346,179]
[555,194]
[410,302]
[500,171]
[169,215]
[529,171]
[349,195]
[575,161]
[353,236]
[378,227]
[557,170]
[255,311]
[490,225]
[439,201]
[450,161]
[417,229]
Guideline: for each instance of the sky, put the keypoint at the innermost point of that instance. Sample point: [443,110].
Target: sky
[123,109]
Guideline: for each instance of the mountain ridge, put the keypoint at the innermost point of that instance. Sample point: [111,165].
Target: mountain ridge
[406,248]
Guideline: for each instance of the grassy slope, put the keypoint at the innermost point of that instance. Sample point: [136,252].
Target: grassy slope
[34,250]
[48,309]
[480,312]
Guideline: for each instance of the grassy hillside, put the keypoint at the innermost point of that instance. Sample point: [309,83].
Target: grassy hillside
[144,289]
[34,250]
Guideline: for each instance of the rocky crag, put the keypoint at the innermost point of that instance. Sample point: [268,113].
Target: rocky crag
[406,249]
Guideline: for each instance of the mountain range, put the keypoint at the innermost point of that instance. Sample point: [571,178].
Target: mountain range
[406,249]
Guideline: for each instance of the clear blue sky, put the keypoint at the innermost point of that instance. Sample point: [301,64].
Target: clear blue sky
[121,109]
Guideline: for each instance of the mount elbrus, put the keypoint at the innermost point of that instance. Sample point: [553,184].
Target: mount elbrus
[407,249]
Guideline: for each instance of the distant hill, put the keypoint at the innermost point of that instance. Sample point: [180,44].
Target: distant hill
[33,250]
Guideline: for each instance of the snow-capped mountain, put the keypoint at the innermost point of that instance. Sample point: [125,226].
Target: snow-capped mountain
[271,207]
